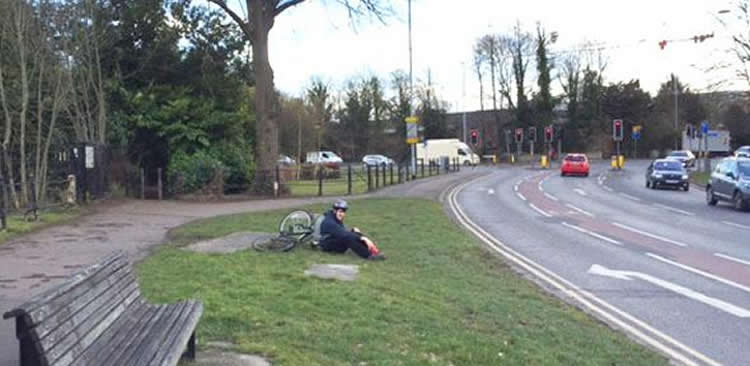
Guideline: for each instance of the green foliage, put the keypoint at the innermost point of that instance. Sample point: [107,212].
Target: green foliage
[735,118]
[191,172]
[237,158]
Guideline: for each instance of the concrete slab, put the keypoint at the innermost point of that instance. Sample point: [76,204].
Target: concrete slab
[342,272]
[230,243]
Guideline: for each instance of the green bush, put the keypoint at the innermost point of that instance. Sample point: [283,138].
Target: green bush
[240,168]
[190,172]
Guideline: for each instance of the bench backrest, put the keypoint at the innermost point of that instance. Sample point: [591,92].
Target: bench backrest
[62,322]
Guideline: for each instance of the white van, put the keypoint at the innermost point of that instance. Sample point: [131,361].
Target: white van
[434,149]
[323,157]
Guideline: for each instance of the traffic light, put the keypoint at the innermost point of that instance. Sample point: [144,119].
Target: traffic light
[617,134]
[689,131]
[532,134]
[663,44]
[474,137]
[549,134]
[519,135]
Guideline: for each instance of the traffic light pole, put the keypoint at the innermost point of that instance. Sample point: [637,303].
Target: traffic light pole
[618,155]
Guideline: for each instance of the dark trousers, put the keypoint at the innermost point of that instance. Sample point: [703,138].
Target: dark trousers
[340,246]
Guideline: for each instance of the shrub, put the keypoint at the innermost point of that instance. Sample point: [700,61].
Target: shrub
[190,172]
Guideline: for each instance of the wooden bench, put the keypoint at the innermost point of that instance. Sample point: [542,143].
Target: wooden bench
[99,317]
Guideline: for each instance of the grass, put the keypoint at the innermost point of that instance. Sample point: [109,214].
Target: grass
[17,226]
[306,188]
[438,299]
[700,178]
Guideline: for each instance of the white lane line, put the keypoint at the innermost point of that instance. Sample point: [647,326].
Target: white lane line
[681,290]
[630,197]
[540,186]
[736,225]
[521,196]
[490,191]
[702,273]
[629,323]
[515,188]
[579,191]
[677,210]
[732,259]
[607,189]
[654,236]
[598,236]
[537,209]
[580,210]
[551,197]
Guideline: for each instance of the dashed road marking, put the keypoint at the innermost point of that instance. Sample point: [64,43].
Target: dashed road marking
[677,210]
[589,232]
[736,225]
[702,273]
[520,196]
[644,233]
[580,210]
[732,259]
[630,197]
[551,196]
[580,191]
[537,209]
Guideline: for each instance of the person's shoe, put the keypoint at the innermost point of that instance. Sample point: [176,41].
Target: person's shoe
[377,257]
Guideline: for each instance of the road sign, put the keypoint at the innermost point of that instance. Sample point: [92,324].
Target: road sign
[411,133]
[704,127]
[412,119]
[637,132]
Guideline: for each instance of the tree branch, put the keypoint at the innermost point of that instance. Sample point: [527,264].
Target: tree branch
[285,6]
[241,22]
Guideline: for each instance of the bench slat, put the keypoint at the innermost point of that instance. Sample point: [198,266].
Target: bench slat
[126,351]
[177,340]
[127,325]
[154,339]
[69,315]
[64,351]
[76,279]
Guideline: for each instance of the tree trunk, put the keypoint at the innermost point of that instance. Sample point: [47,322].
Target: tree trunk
[266,104]
[20,24]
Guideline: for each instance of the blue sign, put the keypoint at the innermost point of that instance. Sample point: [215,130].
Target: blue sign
[704,127]
[636,136]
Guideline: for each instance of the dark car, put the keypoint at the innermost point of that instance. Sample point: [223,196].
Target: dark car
[667,173]
[730,181]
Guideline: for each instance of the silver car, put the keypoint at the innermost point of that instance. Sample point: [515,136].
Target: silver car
[730,182]
[376,159]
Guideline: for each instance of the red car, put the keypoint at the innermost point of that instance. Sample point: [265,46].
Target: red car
[575,164]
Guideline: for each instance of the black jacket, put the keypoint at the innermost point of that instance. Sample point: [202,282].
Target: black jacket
[332,230]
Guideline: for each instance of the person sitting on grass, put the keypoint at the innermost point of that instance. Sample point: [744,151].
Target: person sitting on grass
[336,238]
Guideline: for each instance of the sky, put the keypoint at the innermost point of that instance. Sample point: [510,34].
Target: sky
[317,39]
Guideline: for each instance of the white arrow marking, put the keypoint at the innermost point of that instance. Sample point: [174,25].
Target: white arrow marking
[684,291]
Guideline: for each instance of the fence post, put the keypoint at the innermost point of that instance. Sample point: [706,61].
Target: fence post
[422,162]
[407,171]
[158,184]
[3,202]
[320,182]
[377,176]
[276,181]
[369,179]
[384,175]
[349,179]
[391,168]
[143,183]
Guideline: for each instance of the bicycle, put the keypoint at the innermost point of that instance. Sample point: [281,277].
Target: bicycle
[297,227]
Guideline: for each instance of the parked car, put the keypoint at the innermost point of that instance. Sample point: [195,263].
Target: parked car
[376,159]
[285,160]
[667,173]
[323,157]
[730,182]
[742,152]
[686,157]
[575,164]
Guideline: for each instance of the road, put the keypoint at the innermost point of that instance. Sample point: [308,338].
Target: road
[661,265]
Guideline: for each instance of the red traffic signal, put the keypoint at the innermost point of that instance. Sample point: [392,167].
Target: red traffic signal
[474,137]
[549,134]
[617,131]
[519,135]
[663,44]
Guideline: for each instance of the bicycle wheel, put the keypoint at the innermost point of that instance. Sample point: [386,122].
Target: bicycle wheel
[296,223]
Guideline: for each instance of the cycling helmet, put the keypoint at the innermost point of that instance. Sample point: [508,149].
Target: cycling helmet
[340,205]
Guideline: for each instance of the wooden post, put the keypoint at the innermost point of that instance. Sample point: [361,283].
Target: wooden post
[377,176]
[349,179]
[320,182]
[384,176]
[158,183]
[369,179]
[276,182]
[422,162]
[391,168]
[143,184]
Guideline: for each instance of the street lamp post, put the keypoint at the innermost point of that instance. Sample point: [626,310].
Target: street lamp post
[411,95]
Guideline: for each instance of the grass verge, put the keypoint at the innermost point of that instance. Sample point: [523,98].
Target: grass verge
[17,226]
[700,178]
[438,299]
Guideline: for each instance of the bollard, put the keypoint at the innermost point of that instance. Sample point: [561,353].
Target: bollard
[613,162]
[391,168]
[143,184]
[276,182]
[621,161]
[158,183]
[369,179]
[543,162]
[377,176]
[349,179]
[384,175]
[320,182]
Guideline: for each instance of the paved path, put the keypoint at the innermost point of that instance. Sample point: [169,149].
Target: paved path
[30,264]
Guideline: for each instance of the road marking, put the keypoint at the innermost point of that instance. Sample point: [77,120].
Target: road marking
[580,210]
[598,236]
[654,236]
[697,271]
[551,197]
[630,197]
[736,225]
[540,186]
[521,196]
[607,189]
[684,291]
[627,322]
[677,210]
[490,191]
[579,191]
[732,259]
[537,209]
[515,188]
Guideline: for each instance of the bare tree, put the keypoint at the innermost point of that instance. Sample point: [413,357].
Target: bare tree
[256,20]
[741,41]
[479,60]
